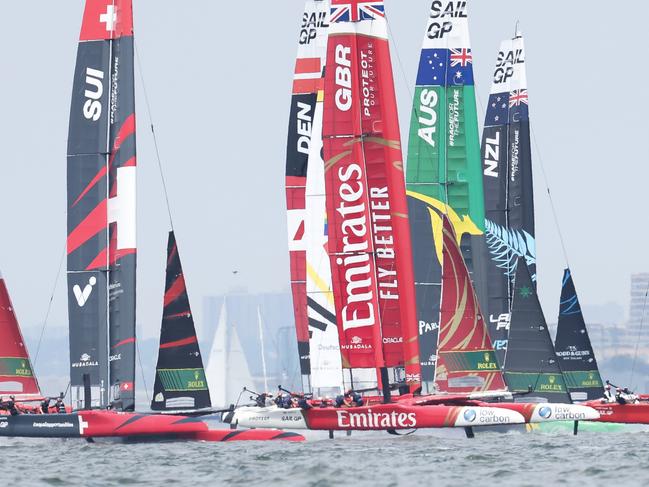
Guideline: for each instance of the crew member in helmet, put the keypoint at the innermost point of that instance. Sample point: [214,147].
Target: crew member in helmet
[45,405]
[619,397]
[608,395]
[60,405]
[10,406]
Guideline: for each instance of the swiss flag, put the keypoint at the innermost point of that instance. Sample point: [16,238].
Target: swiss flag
[107,19]
[126,387]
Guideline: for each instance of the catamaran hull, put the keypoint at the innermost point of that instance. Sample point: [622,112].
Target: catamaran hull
[380,417]
[131,426]
[621,413]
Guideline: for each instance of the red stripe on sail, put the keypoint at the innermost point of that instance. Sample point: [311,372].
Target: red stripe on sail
[309,65]
[101,174]
[125,131]
[302,86]
[94,223]
[172,254]
[176,289]
[179,343]
[124,342]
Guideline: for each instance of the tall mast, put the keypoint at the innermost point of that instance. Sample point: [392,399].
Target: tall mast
[509,192]
[444,173]
[101,207]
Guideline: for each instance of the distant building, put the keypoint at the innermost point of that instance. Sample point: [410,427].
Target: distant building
[638,304]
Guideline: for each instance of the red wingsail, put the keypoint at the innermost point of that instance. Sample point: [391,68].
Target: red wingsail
[466,360]
[369,236]
[16,374]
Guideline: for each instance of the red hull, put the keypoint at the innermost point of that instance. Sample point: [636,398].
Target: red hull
[618,413]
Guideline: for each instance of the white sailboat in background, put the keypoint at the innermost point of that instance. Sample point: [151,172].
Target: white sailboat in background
[227,370]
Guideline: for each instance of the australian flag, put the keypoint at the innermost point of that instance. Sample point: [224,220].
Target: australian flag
[445,67]
[355,11]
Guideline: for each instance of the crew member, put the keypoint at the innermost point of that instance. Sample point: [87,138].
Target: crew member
[60,405]
[619,396]
[260,401]
[45,405]
[10,406]
[608,395]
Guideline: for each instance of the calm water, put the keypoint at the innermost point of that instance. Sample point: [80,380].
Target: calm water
[509,459]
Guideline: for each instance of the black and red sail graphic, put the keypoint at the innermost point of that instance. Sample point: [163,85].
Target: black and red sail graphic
[369,236]
[101,205]
[180,382]
[16,373]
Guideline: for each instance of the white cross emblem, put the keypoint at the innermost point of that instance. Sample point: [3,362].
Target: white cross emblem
[82,425]
[109,18]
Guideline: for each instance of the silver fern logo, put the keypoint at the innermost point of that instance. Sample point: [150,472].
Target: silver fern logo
[507,245]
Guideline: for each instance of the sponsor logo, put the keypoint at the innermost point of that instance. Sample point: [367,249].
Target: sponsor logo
[488,364]
[82,296]
[52,425]
[85,361]
[545,412]
[343,77]
[367,77]
[500,344]
[427,327]
[94,91]
[358,296]
[114,358]
[356,343]
[311,22]
[490,416]
[568,414]
[502,321]
[392,340]
[4,424]
[371,419]
[514,153]
[24,370]
[470,415]
[197,383]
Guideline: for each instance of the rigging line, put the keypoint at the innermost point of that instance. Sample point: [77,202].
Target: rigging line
[139,359]
[637,342]
[547,188]
[49,306]
[155,138]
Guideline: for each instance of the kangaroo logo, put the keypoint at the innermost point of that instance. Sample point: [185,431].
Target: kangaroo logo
[83,296]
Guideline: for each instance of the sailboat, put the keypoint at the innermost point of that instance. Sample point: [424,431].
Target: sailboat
[444,174]
[508,185]
[102,259]
[227,370]
[313,302]
[573,348]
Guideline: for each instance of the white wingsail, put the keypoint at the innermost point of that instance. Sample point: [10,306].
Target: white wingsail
[227,370]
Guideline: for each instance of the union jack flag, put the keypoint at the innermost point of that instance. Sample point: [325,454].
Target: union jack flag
[356,10]
[461,57]
[517,97]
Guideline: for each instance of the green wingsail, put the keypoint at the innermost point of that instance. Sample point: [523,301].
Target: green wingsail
[444,170]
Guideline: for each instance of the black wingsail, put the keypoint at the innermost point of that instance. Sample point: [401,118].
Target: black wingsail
[530,361]
[180,382]
[573,347]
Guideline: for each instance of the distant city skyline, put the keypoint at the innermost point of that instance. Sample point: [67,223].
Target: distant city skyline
[218,81]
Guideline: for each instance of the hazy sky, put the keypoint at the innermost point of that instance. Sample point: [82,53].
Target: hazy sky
[219,76]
